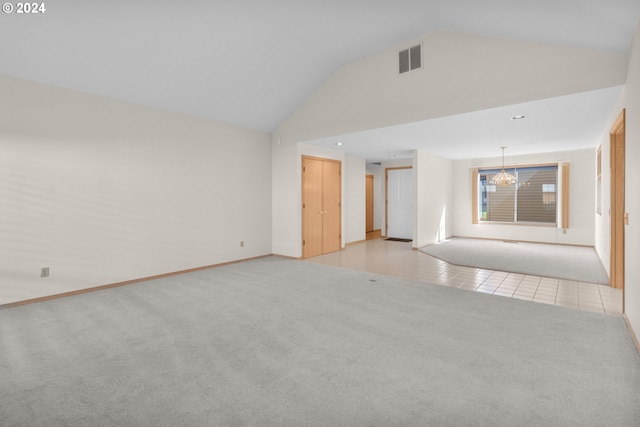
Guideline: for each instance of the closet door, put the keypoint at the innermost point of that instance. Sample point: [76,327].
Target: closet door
[321,206]
[311,207]
[331,238]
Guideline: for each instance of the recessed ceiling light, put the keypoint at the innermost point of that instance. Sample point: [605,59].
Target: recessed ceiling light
[338,143]
[518,117]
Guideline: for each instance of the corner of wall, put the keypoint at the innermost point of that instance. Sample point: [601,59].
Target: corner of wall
[632,178]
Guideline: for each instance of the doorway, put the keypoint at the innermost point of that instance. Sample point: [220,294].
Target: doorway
[321,206]
[370,229]
[399,220]
[618,215]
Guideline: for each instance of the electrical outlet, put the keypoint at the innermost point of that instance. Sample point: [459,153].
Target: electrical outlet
[44,272]
[242,243]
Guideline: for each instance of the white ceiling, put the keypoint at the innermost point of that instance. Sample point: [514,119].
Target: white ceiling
[251,62]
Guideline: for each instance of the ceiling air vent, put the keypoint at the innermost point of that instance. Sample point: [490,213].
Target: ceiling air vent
[410,59]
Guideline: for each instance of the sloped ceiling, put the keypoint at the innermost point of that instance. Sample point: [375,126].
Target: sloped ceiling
[251,62]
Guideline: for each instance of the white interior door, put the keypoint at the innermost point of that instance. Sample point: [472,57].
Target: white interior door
[399,222]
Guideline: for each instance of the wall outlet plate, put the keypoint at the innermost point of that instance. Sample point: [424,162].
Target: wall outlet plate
[44,272]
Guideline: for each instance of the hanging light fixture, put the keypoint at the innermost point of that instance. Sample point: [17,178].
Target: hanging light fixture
[503,178]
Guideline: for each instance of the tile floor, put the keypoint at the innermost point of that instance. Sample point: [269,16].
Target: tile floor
[399,259]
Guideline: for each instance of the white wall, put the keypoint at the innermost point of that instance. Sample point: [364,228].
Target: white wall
[632,180]
[103,191]
[603,219]
[631,103]
[434,198]
[581,201]
[354,200]
[461,73]
[286,197]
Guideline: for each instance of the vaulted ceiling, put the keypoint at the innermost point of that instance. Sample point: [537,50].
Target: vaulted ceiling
[251,62]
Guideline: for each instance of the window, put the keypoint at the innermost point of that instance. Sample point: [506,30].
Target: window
[410,59]
[533,199]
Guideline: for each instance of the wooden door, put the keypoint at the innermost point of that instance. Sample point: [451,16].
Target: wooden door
[321,206]
[311,207]
[331,233]
[369,204]
[617,139]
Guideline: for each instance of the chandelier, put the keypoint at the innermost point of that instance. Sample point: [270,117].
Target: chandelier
[503,178]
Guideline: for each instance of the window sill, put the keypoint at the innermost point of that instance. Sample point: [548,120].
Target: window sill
[526,224]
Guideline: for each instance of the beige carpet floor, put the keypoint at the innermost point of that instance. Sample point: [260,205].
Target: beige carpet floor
[275,342]
[559,261]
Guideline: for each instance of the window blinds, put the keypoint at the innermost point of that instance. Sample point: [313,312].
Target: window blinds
[537,194]
[533,199]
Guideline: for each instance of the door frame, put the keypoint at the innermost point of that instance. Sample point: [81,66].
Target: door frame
[386,196]
[617,160]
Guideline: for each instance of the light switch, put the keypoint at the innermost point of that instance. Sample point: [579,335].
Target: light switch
[626,218]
